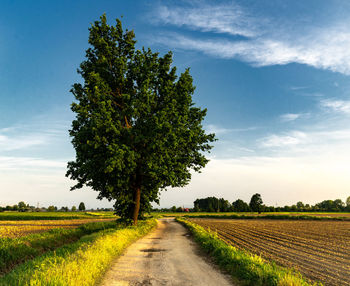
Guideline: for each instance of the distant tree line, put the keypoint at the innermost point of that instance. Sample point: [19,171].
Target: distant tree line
[213,204]
[24,207]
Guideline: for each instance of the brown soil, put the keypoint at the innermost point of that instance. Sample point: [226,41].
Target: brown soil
[320,250]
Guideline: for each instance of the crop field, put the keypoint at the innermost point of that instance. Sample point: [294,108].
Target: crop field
[18,224]
[53,215]
[15,229]
[320,250]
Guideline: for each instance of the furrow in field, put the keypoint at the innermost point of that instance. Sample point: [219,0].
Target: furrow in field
[323,250]
[320,260]
[333,244]
[281,258]
[271,244]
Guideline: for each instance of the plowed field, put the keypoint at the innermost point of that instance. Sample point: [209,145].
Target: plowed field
[320,250]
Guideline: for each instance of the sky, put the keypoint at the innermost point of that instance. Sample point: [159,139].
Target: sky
[274,76]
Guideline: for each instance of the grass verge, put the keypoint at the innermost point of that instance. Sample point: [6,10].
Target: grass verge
[17,250]
[248,268]
[80,263]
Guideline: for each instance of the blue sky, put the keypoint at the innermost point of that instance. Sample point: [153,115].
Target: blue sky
[274,76]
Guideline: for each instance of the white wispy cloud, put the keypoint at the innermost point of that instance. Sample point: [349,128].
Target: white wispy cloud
[211,128]
[325,47]
[304,142]
[342,106]
[30,163]
[227,19]
[24,136]
[10,143]
[290,116]
[291,138]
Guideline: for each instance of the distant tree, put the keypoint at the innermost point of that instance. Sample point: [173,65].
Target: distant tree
[240,206]
[136,130]
[293,208]
[348,204]
[338,205]
[224,205]
[74,208]
[269,209]
[179,210]
[51,209]
[330,205]
[81,206]
[256,203]
[300,206]
[22,206]
[173,209]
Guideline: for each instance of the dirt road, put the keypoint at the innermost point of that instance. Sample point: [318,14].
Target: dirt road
[167,256]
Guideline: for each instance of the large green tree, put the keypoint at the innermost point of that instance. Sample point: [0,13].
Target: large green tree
[136,130]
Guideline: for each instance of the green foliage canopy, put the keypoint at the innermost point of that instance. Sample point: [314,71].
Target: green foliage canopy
[240,206]
[81,206]
[256,203]
[212,204]
[136,130]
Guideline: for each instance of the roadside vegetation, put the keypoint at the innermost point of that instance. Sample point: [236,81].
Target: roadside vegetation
[16,250]
[248,268]
[82,262]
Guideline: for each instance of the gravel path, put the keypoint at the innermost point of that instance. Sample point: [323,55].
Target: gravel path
[167,256]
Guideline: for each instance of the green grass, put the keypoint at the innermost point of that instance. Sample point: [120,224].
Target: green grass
[81,263]
[53,215]
[16,250]
[247,268]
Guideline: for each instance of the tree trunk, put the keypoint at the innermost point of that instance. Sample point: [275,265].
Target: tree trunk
[137,196]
